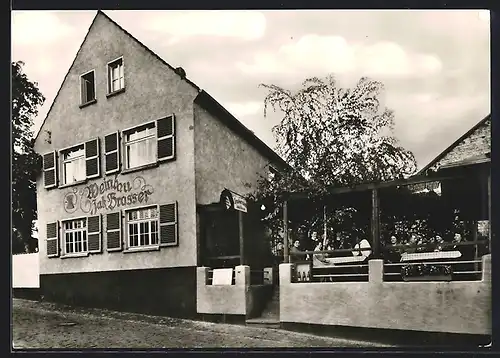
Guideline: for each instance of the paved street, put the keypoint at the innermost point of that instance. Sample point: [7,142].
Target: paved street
[47,325]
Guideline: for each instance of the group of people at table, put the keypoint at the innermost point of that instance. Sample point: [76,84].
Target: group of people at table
[413,249]
[361,250]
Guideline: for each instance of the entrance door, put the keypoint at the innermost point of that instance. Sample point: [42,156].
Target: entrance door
[220,238]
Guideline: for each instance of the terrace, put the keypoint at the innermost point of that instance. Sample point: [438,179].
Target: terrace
[409,254]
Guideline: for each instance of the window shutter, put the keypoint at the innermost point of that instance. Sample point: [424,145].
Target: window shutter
[166,138]
[168,225]
[113,231]
[92,165]
[112,153]
[50,170]
[94,233]
[52,239]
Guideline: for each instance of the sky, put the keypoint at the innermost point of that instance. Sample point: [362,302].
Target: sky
[435,65]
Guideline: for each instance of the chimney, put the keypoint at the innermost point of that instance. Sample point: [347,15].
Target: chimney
[180,71]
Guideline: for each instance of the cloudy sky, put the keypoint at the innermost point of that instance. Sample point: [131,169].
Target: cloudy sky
[435,64]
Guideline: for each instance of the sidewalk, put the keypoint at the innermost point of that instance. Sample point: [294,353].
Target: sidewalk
[47,325]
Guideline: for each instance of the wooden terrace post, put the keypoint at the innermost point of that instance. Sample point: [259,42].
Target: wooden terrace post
[476,246]
[375,223]
[285,232]
[242,248]
[489,209]
[324,227]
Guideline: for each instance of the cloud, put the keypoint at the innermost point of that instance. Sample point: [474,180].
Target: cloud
[388,58]
[334,54]
[246,25]
[475,21]
[241,109]
[38,28]
[424,63]
[419,115]
[43,66]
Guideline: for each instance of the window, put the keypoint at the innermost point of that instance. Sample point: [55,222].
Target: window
[116,80]
[73,165]
[143,227]
[80,237]
[75,236]
[77,163]
[149,143]
[87,89]
[140,146]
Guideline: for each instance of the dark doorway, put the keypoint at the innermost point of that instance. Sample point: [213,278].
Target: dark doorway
[220,238]
[219,244]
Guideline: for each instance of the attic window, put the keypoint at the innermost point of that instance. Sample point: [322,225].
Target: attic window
[87,87]
[116,81]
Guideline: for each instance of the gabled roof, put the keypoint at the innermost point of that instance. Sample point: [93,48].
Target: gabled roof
[222,114]
[203,98]
[453,145]
[66,75]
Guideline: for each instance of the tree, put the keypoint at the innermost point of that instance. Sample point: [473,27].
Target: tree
[26,163]
[331,136]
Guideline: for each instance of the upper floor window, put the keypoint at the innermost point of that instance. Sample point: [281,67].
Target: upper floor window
[116,80]
[73,164]
[87,87]
[140,146]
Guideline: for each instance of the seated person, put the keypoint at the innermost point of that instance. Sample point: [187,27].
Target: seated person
[319,256]
[431,244]
[438,243]
[467,254]
[295,249]
[312,243]
[393,254]
[467,251]
[422,247]
[314,240]
[411,244]
[340,244]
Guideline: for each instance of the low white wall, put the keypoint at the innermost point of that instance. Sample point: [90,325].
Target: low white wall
[452,307]
[222,299]
[25,271]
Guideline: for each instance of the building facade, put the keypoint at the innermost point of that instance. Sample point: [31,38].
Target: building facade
[132,153]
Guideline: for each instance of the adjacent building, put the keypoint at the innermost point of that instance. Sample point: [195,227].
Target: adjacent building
[472,148]
[135,158]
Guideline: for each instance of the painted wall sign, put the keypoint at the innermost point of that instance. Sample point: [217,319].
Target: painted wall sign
[109,194]
[231,200]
